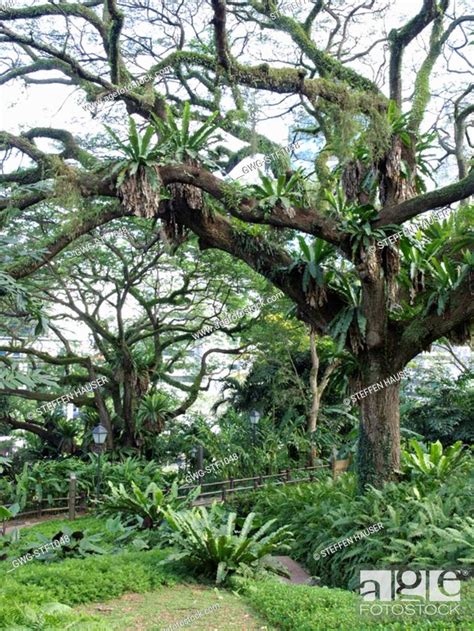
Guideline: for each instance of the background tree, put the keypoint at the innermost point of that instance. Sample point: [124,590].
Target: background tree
[143,310]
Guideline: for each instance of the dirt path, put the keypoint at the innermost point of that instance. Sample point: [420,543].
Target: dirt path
[27,522]
[194,607]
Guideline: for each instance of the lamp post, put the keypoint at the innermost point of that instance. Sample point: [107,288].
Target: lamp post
[193,453]
[197,454]
[254,419]
[99,434]
[180,461]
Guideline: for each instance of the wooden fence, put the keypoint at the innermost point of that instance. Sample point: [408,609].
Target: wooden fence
[71,504]
[74,502]
[286,476]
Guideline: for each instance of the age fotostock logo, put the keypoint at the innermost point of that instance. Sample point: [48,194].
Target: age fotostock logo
[406,592]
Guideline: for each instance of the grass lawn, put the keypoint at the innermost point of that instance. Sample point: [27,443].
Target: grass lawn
[158,610]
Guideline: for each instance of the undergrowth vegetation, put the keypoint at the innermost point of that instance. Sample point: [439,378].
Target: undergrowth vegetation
[28,591]
[424,524]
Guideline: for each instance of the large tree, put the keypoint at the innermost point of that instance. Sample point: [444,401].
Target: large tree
[366,140]
[126,309]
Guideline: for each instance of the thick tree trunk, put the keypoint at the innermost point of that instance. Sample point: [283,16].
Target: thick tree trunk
[129,405]
[379,435]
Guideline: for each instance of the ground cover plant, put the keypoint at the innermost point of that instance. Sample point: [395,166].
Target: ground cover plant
[74,581]
[291,607]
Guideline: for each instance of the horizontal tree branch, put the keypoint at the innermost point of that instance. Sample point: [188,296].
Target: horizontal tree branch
[428,201]
[306,219]
[419,334]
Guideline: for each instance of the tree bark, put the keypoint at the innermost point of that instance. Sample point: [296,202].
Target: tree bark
[129,405]
[315,396]
[379,436]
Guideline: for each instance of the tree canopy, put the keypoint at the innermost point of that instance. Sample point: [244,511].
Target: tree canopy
[384,120]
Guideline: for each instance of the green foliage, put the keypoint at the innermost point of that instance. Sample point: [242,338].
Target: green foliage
[52,615]
[19,299]
[4,462]
[315,259]
[423,525]
[433,461]
[291,607]
[350,319]
[424,143]
[435,260]
[123,535]
[15,298]
[282,193]
[77,581]
[79,543]
[216,548]
[46,480]
[440,408]
[153,413]
[447,276]
[11,377]
[178,144]
[399,123]
[234,192]
[138,154]
[147,507]
[357,222]
[5,513]
[276,386]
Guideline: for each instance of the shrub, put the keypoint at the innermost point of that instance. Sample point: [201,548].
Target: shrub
[78,581]
[217,549]
[432,462]
[147,506]
[423,526]
[52,616]
[46,480]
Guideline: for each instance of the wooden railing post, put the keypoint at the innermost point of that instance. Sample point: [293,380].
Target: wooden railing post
[223,491]
[334,458]
[288,474]
[72,497]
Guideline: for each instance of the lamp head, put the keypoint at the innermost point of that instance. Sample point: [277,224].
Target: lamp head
[99,434]
[254,417]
